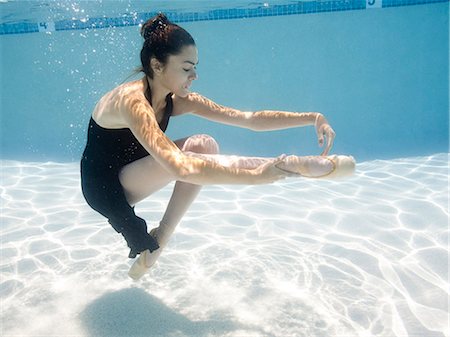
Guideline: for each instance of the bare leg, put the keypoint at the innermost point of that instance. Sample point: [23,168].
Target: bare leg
[182,197]
[145,176]
[248,163]
[304,166]
[183,193]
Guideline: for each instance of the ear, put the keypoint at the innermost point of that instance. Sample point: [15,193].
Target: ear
[156,66]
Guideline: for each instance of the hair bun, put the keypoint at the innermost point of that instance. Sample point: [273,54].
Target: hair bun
[159,22]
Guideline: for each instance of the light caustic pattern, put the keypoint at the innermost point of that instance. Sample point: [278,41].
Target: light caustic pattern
[366,256]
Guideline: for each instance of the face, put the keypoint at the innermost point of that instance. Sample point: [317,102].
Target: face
[180,70]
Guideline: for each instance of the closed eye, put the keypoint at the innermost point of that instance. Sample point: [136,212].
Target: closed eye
[186,70]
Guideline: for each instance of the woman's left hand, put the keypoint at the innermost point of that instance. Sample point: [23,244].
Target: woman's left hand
[324,131]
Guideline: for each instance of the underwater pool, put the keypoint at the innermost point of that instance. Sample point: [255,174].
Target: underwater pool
[364,256]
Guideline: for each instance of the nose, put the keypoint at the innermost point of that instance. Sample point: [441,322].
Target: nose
[193,75]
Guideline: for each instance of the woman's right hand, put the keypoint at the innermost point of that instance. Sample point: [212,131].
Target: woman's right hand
[269,172]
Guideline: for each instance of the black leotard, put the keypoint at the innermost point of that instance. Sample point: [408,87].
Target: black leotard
[107,152]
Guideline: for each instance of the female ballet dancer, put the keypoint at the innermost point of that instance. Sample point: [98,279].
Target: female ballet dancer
[128,157]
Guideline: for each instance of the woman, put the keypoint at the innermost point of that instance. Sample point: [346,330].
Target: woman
[128,157]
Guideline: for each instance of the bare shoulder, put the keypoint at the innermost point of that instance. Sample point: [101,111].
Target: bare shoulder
[181,105]
[111,108]
[192,103]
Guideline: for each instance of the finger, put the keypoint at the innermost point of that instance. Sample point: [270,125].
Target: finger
[321,139]
[327,148]
[319,131]
[330,140]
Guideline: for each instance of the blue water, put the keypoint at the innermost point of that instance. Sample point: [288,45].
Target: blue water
[380,76]
[367,256]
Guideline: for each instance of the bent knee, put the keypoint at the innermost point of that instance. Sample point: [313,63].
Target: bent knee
[201,144]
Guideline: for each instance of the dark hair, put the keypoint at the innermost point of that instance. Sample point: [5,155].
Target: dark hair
[162,39]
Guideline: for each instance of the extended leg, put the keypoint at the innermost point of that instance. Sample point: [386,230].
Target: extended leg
[332,167]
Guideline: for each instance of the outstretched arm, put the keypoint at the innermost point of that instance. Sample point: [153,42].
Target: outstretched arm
[140,118]
[264,120]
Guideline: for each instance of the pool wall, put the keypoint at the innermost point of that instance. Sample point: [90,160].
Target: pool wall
[380,76]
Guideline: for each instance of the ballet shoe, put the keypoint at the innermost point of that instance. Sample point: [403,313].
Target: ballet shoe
[319,167]
[145,261]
